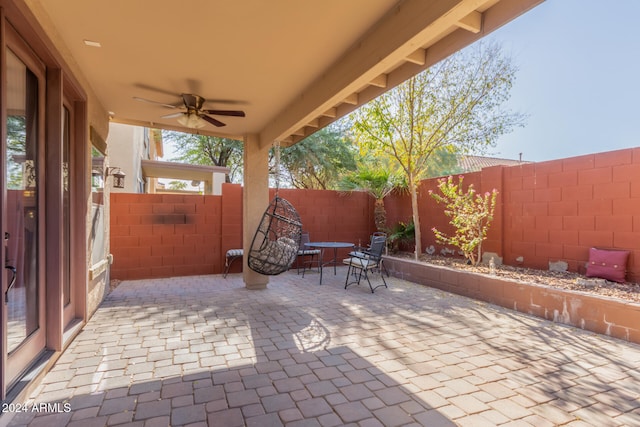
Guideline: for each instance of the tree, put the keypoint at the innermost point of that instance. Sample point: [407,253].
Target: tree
[470,213]
[208,150]
[16,146]
[177,185]
[443,162]
[455,106]
[378,181]
[319,161]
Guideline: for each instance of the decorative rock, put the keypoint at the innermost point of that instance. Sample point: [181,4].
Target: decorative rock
[486,258]
[447,251]
[520,259]
[430,250]
[558,266]
[591,283]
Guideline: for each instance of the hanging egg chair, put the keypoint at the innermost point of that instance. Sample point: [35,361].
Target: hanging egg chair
[275,244]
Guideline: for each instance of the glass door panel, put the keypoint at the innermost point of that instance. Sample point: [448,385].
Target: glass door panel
[23,291]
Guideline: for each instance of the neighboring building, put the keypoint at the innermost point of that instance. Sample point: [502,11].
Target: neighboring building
[467,163]
[212,176]
[128,147]
[134,151]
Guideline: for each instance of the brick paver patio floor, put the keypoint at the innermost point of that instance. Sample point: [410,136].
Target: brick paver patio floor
[204,350]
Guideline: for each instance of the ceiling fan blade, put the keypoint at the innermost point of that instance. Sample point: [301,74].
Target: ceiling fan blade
[155,89]
[171,116]
[227,101]
[235,113]
[212,121]
[137,98]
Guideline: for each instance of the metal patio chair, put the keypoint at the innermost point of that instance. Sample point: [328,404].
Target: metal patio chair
[359,250]
[305,252]
[361,264]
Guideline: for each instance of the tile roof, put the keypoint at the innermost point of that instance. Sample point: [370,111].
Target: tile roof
[475,163]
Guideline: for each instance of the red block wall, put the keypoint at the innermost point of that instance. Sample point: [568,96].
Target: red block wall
[162,235]
[547,211]
[559,209]
[550,211]
[333,216]
[154,235]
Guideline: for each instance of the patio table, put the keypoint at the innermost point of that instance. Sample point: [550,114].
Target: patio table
[328,245]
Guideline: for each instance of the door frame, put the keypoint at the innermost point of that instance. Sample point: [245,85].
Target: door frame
[62,89]
[76,311]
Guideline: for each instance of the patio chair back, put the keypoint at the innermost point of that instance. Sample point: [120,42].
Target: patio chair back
[377,247]
[304,251]
[304,238]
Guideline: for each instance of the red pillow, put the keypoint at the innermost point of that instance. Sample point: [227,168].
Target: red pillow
[607,264]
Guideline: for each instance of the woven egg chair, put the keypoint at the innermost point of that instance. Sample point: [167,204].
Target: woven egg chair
[275,244]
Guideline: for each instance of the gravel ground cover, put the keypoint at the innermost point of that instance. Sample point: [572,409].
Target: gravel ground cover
[557,279]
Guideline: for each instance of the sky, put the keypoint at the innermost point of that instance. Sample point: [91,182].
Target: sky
[578,79]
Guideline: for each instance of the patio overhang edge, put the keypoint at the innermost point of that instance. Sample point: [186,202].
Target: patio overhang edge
[173,170]
[347,84]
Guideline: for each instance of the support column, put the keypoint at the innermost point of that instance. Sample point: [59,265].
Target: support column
[255,199]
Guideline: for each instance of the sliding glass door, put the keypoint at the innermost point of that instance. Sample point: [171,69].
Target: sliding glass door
[23,284]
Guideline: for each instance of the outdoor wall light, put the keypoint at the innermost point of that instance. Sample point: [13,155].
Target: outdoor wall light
[118,176]
[191,120]
[97,179]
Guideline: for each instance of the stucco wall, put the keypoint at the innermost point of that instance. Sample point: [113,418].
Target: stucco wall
[126,148]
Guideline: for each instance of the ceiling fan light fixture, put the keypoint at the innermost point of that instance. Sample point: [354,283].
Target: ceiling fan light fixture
[193,115]
[192,121]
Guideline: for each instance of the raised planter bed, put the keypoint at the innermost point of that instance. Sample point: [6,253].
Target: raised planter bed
[603,315]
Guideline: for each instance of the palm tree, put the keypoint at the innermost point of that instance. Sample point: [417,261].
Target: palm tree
[379,182]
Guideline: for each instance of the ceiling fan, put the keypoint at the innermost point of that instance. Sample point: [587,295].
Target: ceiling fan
[194,116]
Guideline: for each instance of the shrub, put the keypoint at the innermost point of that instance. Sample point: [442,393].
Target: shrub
[470,213]
[401,234]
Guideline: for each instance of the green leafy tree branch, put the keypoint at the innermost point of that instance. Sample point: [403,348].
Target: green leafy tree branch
[471,215]
[452,107]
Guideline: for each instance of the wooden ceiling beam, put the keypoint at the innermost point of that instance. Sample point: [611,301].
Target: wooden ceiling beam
[351,99]
[406,42]
[472,22]
[380,81]
[331,112]
[419,57]
[411,24]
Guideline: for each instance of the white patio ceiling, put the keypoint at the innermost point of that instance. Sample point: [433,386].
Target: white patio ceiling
[293,66]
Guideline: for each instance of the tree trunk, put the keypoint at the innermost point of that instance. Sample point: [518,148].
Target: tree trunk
[380,215]
[416,218]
